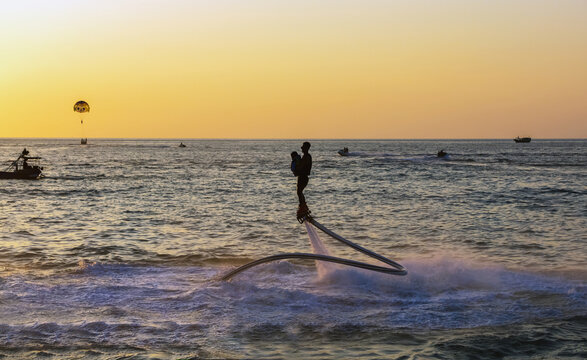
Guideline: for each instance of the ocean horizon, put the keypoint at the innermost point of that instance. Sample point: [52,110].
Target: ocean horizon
[291,139]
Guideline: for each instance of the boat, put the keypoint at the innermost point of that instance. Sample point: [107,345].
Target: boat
[442,154]
[21,169]
[181,145]
[84,141]
[343,152]
[522,140]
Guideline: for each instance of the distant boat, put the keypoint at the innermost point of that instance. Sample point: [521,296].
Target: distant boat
[181,145]
[442,154]
[84,141]
[343,152]
[522,140]
[21,169]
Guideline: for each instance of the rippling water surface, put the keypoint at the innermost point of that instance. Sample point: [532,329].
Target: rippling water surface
[118,251]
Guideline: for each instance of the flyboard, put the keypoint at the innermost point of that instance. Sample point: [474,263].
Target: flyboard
[394,268]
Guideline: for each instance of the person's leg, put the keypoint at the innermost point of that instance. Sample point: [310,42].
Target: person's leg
[302,182]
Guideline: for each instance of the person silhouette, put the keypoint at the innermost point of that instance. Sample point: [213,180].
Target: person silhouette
[295,159]
[303,170]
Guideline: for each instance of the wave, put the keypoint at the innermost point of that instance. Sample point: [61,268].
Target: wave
[105,306]
[273,339]
[547,190]
[505,158]
[103,254]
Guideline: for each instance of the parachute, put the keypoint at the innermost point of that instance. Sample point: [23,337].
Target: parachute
[81,107]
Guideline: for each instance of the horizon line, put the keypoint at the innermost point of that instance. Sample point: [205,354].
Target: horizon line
[273,139]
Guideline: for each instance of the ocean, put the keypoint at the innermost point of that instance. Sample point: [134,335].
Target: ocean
[118,252]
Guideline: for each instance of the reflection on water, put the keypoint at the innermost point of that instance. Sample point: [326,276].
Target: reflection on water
[118,250]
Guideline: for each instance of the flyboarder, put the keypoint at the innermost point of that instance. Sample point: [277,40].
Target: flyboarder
[303,168]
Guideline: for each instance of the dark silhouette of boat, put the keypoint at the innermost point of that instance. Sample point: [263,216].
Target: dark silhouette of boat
[84,141]
[522,140]
[343,152]
[442,154]
[181,145]
[21,169]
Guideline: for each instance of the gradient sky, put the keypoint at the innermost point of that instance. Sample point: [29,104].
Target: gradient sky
[294,69]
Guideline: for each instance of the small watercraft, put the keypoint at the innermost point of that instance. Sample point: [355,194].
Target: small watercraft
[522,140]
[442,154]
[181,145]
[21,169]
[84,141]
[343,152]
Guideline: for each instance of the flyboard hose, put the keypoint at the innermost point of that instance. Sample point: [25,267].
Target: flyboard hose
[393,269]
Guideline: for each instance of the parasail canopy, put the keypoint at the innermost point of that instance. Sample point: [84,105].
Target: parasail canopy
[81,107]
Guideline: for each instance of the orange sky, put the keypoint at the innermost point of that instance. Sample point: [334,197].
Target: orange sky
[294,69]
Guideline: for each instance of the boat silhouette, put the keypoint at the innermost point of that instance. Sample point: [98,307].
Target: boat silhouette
[21,169]
[522,140]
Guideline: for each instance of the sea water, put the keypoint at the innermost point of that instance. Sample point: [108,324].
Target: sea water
[118,251]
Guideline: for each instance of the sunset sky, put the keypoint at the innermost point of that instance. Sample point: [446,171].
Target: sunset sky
[294,69]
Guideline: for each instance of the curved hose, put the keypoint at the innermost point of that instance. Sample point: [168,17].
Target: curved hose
[394,269]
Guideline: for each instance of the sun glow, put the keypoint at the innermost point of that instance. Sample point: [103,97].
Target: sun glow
[253,69]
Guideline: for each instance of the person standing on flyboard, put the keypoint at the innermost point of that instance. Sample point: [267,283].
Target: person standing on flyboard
[303,169]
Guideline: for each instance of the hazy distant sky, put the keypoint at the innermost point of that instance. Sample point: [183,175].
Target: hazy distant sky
[294,69]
